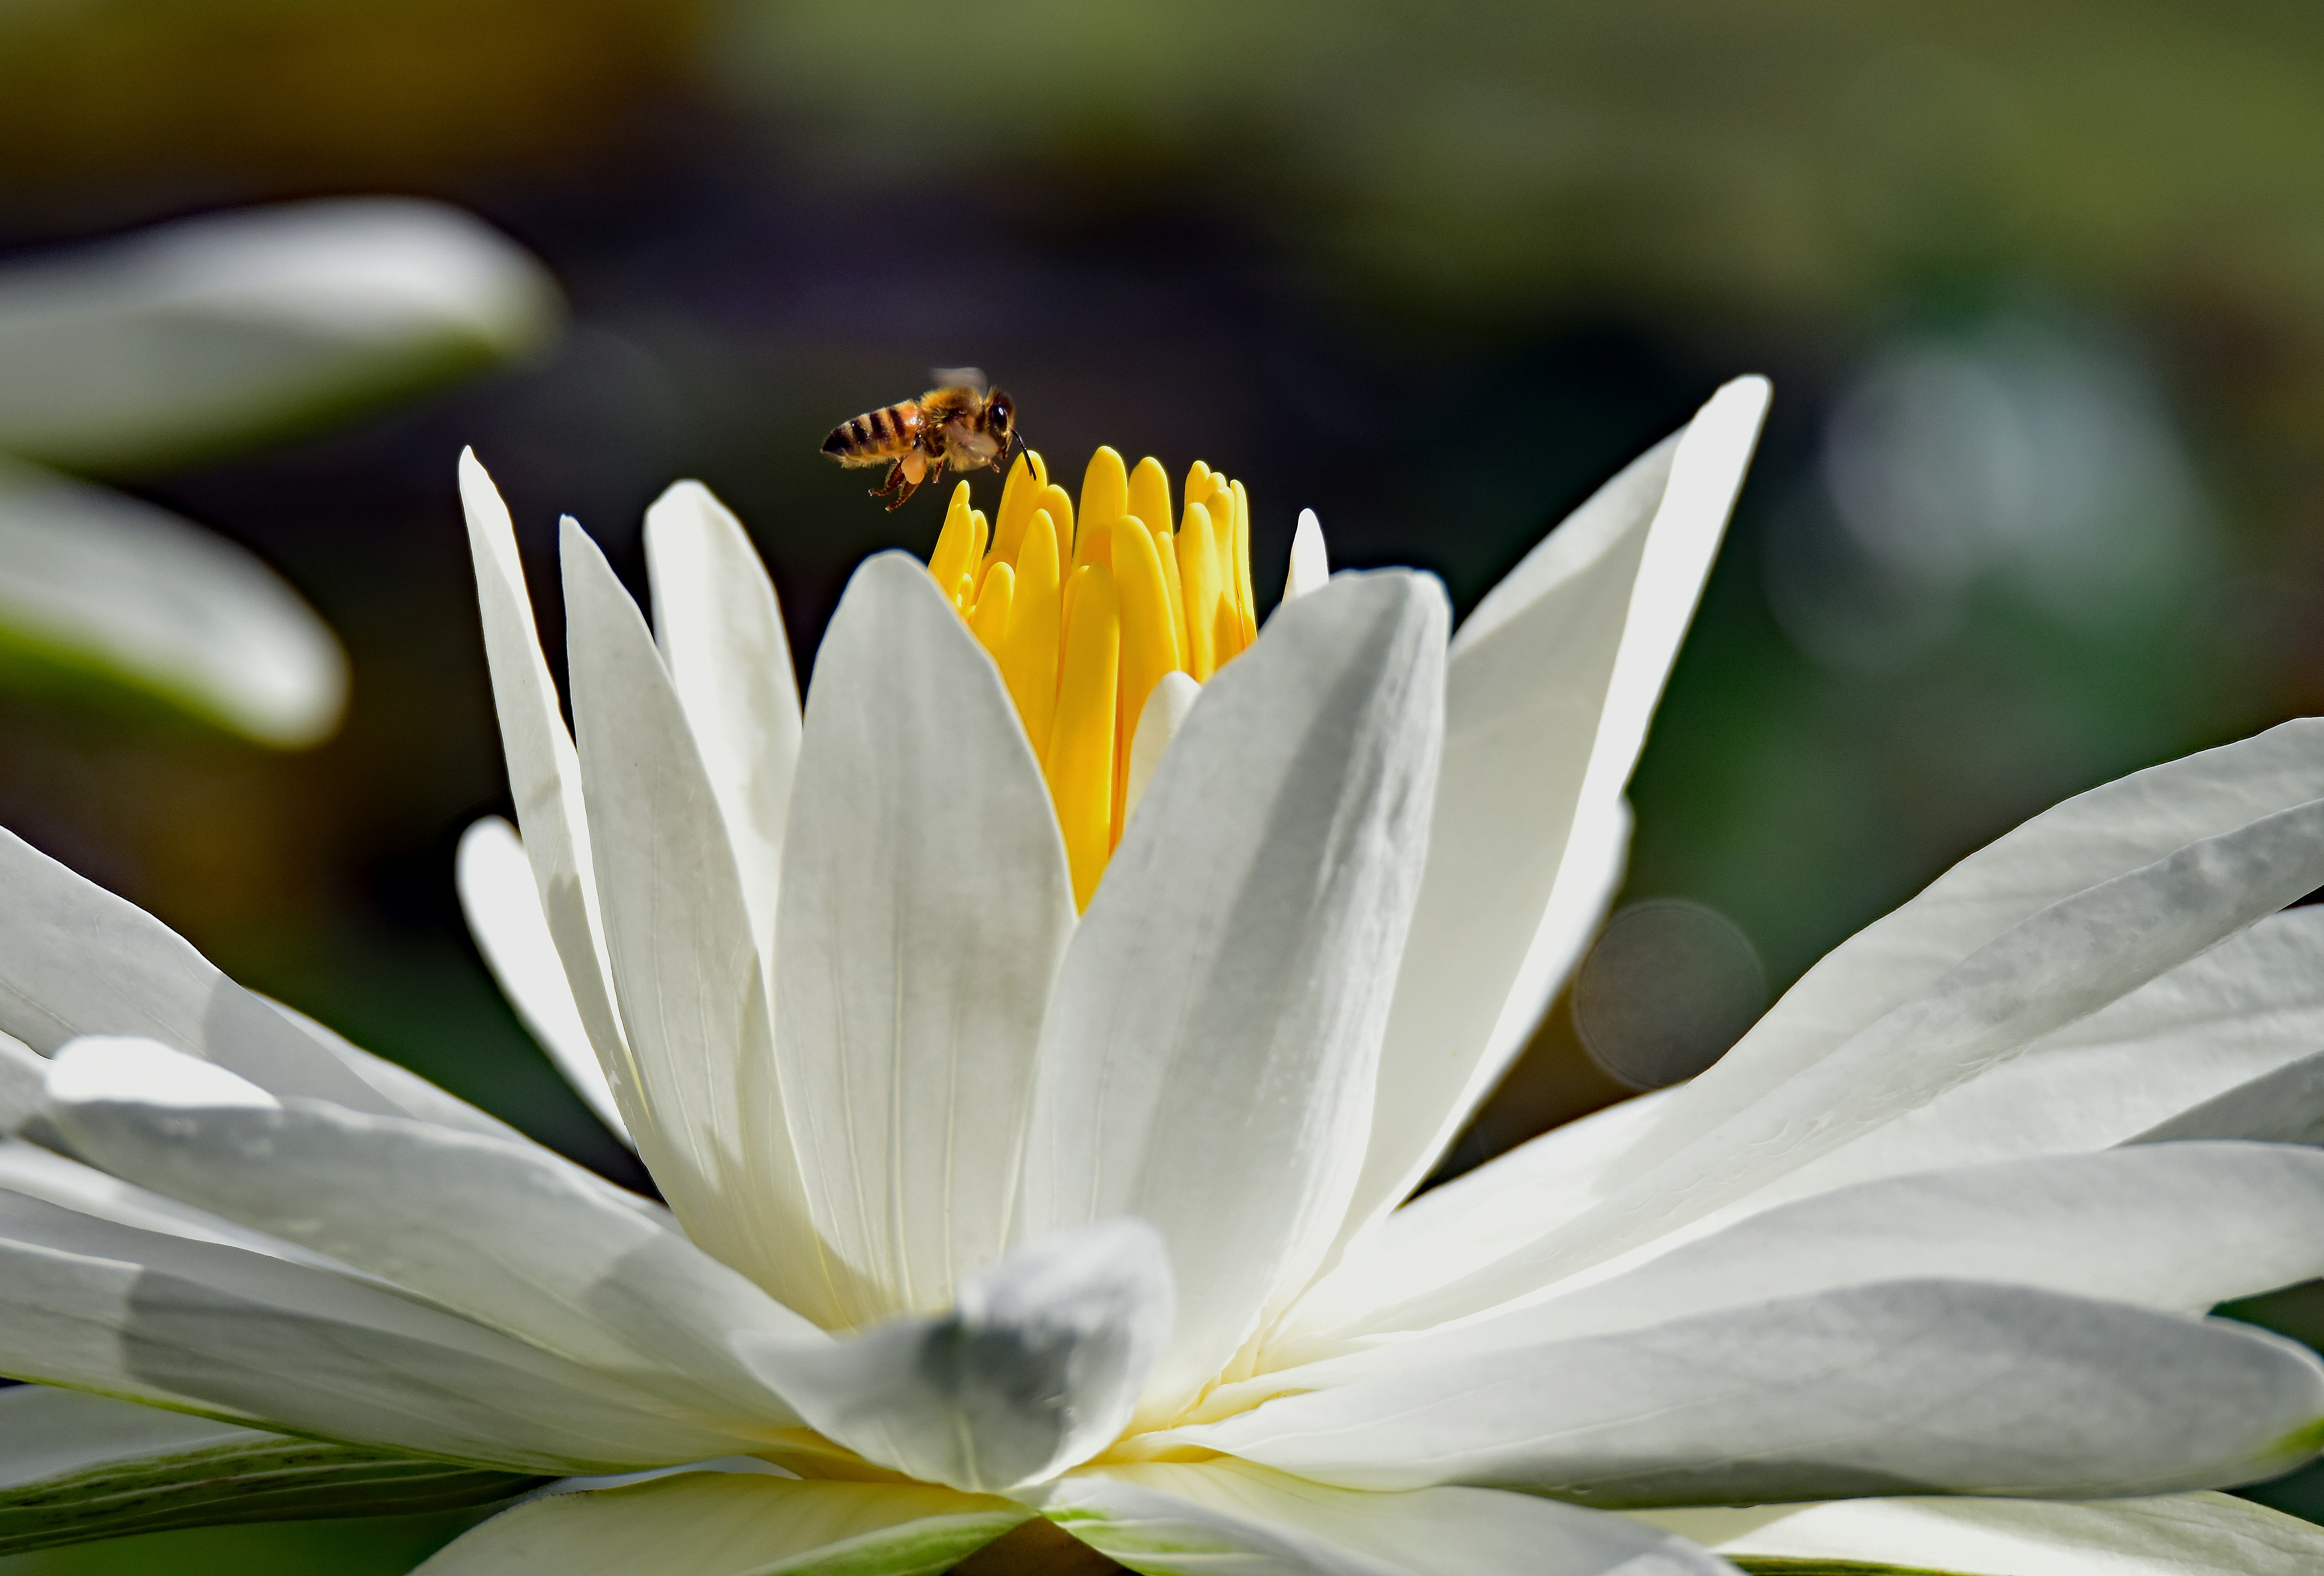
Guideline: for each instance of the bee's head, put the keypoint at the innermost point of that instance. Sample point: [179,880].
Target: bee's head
[1000,416]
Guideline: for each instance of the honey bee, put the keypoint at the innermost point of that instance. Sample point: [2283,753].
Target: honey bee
[957,423]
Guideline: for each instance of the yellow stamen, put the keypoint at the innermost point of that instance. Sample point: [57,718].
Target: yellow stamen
[1086,609]
[952,555]
[1244,601]
[1198,574]
[1147,650]
[1051,497]
[1082,745]
[991,620]
[1105,489]
[1025,483]
[1149,500]
[1028,652]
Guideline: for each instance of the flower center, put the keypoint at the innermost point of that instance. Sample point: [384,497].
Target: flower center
[1087,610]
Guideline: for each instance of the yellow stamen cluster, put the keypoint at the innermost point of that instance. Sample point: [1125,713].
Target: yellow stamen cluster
[1086,608]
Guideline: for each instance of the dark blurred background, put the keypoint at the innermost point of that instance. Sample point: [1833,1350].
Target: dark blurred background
[2041,286]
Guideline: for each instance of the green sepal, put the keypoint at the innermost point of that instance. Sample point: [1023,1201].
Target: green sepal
[270,1478]
[1793,1565]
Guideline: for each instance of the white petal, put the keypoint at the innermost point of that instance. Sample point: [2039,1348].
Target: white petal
[545,781]
[1165,713]
[406,1093]
[91,1304]
[2077,847]
[733,1524]
[1311,566]
[1549,689]
[2180,1227]
[722,635]
[1226,1514]
[1207,1062]
[2282,1107]
[2249,1006]
[2175,1534]
[2065,961]
[35,1172]
[74,960]
[232,327]
[98,581]
[1469,1222]
[925,903]
[504,1232]
[1037,1367]
[47,1434]
[502,906]
[1933,1386]
[23,1072]
[693,998]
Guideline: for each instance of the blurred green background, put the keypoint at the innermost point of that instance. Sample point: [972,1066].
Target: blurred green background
[2041,286]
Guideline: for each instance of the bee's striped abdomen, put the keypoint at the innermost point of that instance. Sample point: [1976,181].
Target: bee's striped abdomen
[875,436]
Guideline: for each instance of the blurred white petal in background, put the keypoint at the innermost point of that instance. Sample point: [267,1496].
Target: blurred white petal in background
[96,581]
[189,339]
[192,336]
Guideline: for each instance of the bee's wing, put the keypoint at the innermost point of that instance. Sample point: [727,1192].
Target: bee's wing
[959,377]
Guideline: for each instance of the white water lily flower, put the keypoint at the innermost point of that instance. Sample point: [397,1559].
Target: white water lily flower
[1034,1177]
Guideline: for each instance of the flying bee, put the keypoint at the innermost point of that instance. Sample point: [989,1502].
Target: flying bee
[957,423]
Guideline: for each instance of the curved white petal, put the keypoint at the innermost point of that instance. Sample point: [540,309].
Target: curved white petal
[1549,689]
[46,1433]
[502,907]
[96,581]
[88,1303]
[544,774]
[1229,1515]
[2075,848]
[2174,1534]
[506,1233]
[1311,565]
[926,905]
[231,326]
[74,960]
[2285,1106]
[1037,1367]
[2176,1226]
[1945,1387]
[1208,1060]
[732,1523]
[35,1172]
[2064,962]
[692,995]
[729,661]
[1469,1222]
[2240,1011]
[405,1091]
[1165,713]
[23,1073]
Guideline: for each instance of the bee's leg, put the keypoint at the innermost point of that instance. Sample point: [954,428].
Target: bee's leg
[895,479]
